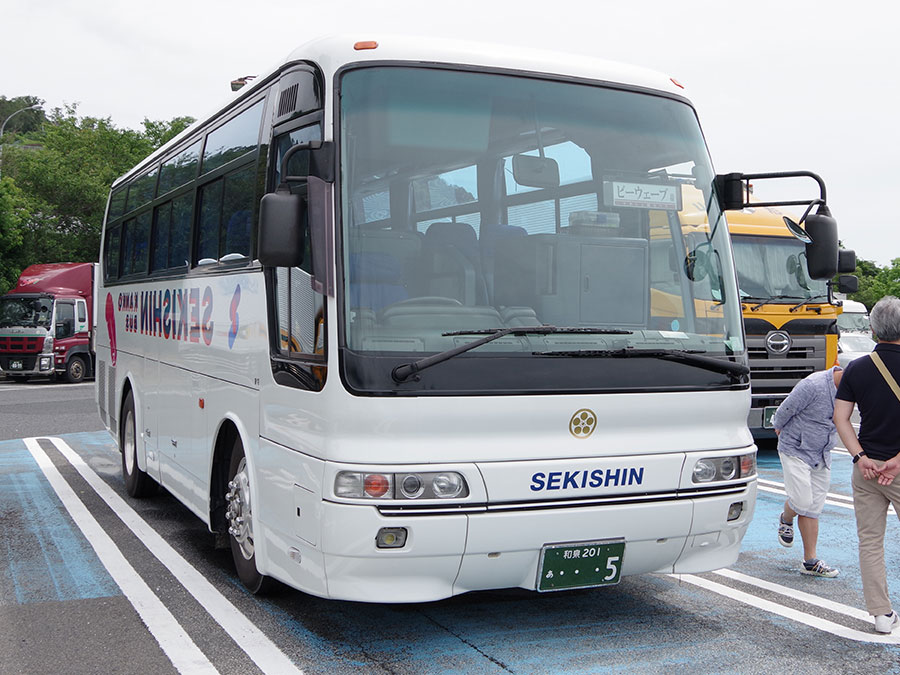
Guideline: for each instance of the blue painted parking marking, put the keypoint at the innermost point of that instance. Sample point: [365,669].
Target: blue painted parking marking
[49,558]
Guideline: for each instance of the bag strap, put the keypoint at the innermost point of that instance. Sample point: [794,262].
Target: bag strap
[885,373]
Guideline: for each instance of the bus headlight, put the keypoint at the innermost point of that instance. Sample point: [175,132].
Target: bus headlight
[412,485]
[710,469]
[448,485]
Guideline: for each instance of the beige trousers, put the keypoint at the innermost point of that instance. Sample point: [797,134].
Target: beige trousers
[870,502]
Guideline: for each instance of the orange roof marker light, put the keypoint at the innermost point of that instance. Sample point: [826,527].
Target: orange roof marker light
[365,44]
[677,83]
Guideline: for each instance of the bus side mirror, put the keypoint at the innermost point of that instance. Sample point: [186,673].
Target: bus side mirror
[848,283]
[730,191]
[282,228]
[822,250]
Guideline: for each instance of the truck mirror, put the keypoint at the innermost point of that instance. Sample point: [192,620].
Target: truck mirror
[797,230]
[282,228]
[730,191]
[846,261]
[848,283]
[822,250]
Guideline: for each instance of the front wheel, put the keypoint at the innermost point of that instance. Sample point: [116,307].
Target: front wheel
[137,482]
[75,370]
[239,516]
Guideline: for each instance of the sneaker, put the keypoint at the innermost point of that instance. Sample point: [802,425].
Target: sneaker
[817,568]
[886,622]
[785,533]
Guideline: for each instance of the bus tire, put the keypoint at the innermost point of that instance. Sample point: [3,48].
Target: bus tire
[239,518]
[137,483]
[75,370]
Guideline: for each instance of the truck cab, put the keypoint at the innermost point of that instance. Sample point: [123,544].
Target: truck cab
[46,323]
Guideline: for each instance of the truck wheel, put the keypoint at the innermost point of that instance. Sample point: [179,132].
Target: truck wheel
[239,518]
[75,370]
[137,483]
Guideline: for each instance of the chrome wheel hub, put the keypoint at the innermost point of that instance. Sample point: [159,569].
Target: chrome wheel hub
[128,443]
[240,524]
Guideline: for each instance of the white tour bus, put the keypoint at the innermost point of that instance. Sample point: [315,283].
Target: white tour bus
[409,319]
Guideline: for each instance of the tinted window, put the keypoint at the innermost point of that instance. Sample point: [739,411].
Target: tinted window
[286,141]
[162,227]
[226,210]
[179,241]
[65,319]
[113,239]
[117,203]
[210,219]
[236,137]
[237,212]
[142,190]
[136,244]
[180,169]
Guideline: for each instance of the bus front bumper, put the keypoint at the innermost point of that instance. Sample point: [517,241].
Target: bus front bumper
[446,555]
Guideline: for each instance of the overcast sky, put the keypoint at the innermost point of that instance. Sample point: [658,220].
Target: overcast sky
[779,85]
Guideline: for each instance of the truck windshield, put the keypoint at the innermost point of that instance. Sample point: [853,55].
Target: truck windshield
[475,202]
[773,269]
[26,312]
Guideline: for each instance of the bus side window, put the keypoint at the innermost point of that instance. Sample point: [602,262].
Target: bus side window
[300,311]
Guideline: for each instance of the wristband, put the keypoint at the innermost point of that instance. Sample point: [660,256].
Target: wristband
[856,457]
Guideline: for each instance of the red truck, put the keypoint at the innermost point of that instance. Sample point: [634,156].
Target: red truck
[47,323]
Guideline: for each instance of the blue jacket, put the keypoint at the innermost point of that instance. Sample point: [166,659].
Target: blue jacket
[804,419]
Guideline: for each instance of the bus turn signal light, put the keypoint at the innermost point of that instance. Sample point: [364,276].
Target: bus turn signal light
[365,44]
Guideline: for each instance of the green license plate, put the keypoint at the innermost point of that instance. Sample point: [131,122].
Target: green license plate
[15,365]
[580,564]
[768,414]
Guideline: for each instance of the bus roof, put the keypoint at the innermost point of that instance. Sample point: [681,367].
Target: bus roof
[335,52]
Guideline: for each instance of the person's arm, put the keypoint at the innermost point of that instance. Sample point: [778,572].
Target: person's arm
[794,404]
[842,412]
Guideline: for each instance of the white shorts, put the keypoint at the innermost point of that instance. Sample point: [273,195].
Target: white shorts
[806,487]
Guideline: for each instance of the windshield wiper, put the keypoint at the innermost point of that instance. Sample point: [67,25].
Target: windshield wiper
[766,301]
[690,357]
[403,372]
[800,304]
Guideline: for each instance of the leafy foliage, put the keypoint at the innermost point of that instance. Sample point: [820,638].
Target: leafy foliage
[876,282]
[64,175]
[25,121]
[14,216]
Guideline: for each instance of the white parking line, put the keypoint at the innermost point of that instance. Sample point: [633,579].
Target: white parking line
[832,498]
[174,641]
[264,653]
[788,612]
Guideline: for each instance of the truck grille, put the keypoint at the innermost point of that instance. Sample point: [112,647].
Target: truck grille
[21,344]
[773,376]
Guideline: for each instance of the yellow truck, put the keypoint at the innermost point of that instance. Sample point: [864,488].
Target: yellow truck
[790,320]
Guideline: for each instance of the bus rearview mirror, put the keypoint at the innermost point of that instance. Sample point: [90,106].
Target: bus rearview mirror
[282,229]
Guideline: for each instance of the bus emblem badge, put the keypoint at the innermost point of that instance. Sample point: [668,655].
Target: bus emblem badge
[583,423]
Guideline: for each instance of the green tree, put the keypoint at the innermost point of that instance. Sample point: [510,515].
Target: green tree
[68,177]
[14,216]
[28,121]
[158,132]
[871,283]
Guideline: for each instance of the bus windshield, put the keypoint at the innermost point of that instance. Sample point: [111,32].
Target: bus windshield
[474,202]
[773,269]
